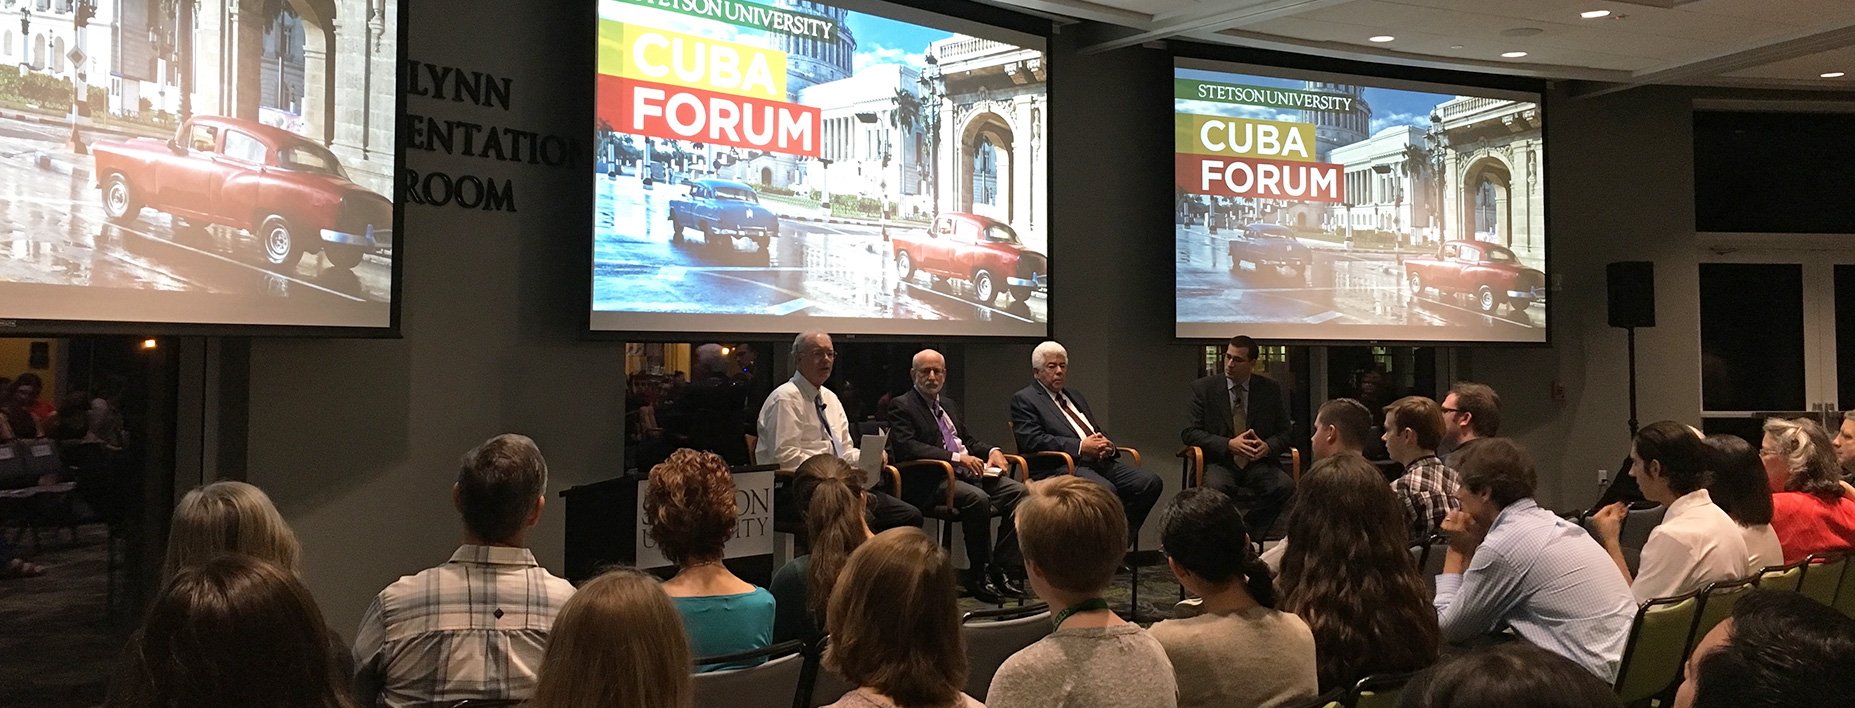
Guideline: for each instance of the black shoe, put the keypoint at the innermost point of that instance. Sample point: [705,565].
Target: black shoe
[1006,586]
[981,590]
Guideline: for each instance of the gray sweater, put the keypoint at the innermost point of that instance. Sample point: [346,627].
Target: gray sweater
[1095,667]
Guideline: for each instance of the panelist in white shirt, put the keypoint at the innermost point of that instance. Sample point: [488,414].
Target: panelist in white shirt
[1696,543]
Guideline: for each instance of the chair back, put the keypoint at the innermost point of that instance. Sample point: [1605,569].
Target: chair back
[1782,577]
[1717,604]
[1845,594]
[1378,690]
[1657,646]
[41,456]
[1822,577]
[1643,517]
[1430,561]
[992,636]
[13,473]
[769,685]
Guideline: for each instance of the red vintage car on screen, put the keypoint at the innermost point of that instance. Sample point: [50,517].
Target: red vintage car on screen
[978,249]
[288,191]
[1492,275]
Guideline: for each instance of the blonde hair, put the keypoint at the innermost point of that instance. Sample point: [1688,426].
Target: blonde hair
[617,642]
[894,621]
[228,516]
[1074,530]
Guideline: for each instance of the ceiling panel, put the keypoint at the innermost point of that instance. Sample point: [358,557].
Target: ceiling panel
[1808,68]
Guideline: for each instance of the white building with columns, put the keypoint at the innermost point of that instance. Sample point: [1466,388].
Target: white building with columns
[859,127]
[1388,187]
[992,114]
[1494,188]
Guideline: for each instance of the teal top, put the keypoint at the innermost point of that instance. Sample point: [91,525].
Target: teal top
[726,624]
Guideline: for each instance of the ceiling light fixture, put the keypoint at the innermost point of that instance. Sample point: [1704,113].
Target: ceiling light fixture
[1594,14]
[1382,38]
[1513,55]
[1832,75]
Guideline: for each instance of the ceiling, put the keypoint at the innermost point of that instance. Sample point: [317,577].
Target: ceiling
[1762,43]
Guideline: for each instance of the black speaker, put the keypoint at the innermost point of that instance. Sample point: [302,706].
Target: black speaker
[1632,294]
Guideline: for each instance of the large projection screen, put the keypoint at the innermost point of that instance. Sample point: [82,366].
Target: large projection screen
[1331,208]
[865,168]
[199,166]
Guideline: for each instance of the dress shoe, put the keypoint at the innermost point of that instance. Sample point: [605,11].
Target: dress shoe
[1005,585]
[980,589]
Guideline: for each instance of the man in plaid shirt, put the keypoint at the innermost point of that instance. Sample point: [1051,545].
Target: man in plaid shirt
[1413,429]
[475,627]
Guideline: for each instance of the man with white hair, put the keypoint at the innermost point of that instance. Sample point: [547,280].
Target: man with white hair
[1049,416]
[802,418]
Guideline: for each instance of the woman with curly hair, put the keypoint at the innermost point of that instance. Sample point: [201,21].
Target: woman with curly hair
[1349,575]
[1808,508]
[691,510]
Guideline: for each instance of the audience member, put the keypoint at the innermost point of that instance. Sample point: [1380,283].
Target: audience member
[1697,543]
[1509,675]
[231,632]
[1048,416]
[27,390]
[618,642]
[1778,650]
[709,414]
[691,510]
[475,627]
[17,420]
[1809,511]
[1470,411]
[1074,534]
[802,418]
[1341,426]
[1348,573]
[1239,652]
[1413,431]
[1845,446]
[895,626]
[1241,422]
[228,516]
[1740,488]
[830,494]
[1512,564]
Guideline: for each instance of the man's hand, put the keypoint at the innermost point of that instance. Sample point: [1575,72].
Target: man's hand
[1249,447]
[1094,447]
[997,459]
[972,465]
[1608,522]
[1465,532]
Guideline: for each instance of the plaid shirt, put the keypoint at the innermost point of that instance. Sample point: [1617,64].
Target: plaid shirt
[1428,490]
[474,627]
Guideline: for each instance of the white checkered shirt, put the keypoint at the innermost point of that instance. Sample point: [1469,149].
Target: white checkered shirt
[1428,491]
[473,628]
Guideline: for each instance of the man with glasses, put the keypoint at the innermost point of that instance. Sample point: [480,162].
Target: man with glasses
[802,418]
[1241,421]
[1471,411]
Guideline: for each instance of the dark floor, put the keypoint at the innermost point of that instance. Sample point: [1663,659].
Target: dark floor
[55,632]
[1159,591]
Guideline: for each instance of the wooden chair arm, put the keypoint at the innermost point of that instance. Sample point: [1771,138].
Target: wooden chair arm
[1194,465]
[1069,461]
[943,466]
[1018,461]
[1131,451]
[1294,454]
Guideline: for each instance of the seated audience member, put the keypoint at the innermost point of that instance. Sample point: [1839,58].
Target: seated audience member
[1413,430]
[1074,534]
[830,493]
[1844,443]
[231,632]
[691,508]
[475,627]
[1240,652]
[895,626]
[1471,411]
[26,390]
[1778,650]
[1809,511]
[1242,423]
[1048,416]
[1740,488]
[228,516]
[618,642]
[1341,426]
[1509,675]
[1348,573]
[1512,564]
[17,421]
[1696,543]
[709,414]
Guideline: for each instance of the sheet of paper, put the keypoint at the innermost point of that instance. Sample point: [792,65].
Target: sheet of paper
[869,458]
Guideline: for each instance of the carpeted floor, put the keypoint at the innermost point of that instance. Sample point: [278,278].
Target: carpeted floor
[55,632]
[1159,591]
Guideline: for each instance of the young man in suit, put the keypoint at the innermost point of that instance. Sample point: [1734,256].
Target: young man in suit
[925,425]
[1048,416]
[1241,421]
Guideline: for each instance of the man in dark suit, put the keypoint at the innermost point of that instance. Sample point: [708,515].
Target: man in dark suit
[925,425]
[1241,421]
[1047,416]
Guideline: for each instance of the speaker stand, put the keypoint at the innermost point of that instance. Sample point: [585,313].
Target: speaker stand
[1632,339]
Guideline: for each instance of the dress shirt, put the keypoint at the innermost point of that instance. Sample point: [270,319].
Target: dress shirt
[473,628]
[959,446]
[1066,405]
[1696,544]
[1545,578]
[790,432]
[1428,491]
[1762,543]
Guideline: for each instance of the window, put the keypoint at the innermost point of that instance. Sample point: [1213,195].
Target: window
[244,148]
[203,138]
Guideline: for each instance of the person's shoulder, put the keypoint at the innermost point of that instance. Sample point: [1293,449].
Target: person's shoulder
[557,586]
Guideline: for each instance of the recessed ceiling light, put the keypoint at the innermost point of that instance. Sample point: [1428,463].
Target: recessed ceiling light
[1383,38]
[1832,75]
[1513,55]
[1455,46]
[1594,14]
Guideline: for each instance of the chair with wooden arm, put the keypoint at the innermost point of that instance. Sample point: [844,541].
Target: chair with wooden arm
[1023,460]
[1192,470]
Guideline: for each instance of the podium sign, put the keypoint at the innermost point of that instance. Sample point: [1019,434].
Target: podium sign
[753,530]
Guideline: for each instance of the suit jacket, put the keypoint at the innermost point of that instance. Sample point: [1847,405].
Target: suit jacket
[1040,426]
[1208,424]
[914,434]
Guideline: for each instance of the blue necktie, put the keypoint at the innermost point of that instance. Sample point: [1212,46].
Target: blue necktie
[836,448]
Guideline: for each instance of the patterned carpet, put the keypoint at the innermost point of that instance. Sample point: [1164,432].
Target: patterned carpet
[55,633]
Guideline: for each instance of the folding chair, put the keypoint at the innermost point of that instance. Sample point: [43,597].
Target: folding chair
[1378,690]
[1657,645]
[1782,577]
[1822,577]
[768,685]
[992,636]
[1716,605]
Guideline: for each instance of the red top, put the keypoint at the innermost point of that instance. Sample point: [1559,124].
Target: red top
[1807,524]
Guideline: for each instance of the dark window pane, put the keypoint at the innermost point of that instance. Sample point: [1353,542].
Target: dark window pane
[1751,337]
[1773,172]
[1845,337]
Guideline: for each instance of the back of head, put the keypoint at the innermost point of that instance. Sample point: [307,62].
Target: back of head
[232,631]
[894,621]
[1074,531]
[1203,532]
[229,516]
[1483,406]
[1738,484]
[618,642]
[1499,467]
[1806,449]
[1784,651]
[690,506]
[1349,575]
[498,485]
[1509,675]
[829,493]
[1350,418]
[1419,415]
[1680,451]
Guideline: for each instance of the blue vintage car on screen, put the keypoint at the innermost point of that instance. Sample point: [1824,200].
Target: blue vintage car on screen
[723,209]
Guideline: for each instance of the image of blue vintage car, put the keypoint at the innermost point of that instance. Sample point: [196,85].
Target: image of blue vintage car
[723,210]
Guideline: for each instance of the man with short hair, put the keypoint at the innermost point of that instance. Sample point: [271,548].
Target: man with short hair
[1413,430]
[1241,422]
[1513,565]
[1470,411]
[1073,535]
[924,424]
[1845,446]
[1778,650]
[802,418]
[1047,416]
[1341,425]
[476,627]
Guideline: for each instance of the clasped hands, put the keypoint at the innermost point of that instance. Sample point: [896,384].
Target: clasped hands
[1096,447]
[1248,447]
[973,466]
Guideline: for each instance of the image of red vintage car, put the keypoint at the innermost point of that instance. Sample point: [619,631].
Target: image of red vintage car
[1490,274]
[286,190]
[980,250]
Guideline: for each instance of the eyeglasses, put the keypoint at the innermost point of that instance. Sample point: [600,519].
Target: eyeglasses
[1762,452]
[823,354]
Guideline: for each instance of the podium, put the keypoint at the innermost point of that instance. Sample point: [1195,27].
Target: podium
[606,527]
